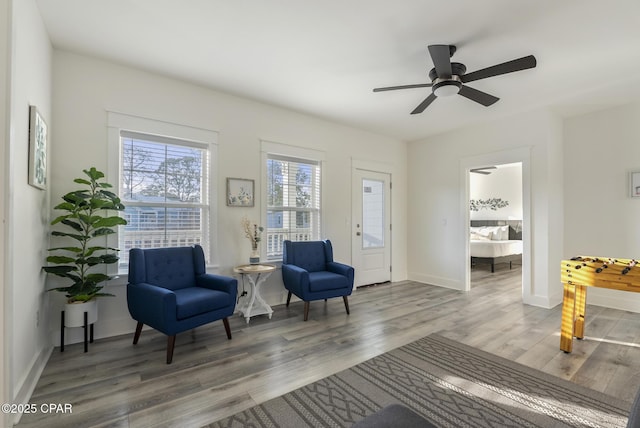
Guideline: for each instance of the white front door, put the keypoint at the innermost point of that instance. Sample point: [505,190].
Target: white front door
[371,240]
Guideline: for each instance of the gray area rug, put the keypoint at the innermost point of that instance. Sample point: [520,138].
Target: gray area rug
[447,383]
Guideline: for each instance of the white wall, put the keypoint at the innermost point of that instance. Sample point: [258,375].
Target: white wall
[601,219]
[86,88]
[437,212]
[504,183]
[28,207]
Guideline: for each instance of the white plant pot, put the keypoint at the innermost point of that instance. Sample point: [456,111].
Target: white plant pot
[74,313]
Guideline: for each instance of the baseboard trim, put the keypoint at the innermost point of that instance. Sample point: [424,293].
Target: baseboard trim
[453,284]
[614,299]
[28,384]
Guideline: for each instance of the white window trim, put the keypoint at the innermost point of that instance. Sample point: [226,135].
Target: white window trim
[117,122]
[272,148]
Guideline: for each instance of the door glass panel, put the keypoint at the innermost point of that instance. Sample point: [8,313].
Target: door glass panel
[372,213]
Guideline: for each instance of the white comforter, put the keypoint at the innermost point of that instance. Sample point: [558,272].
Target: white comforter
[495,248]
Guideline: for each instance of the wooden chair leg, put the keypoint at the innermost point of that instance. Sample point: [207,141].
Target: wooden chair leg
[346,304]
[288,298]
[171,343]
[226,327]
[136,336]
[306,311]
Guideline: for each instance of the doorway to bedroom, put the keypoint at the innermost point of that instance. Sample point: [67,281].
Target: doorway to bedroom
[496,224]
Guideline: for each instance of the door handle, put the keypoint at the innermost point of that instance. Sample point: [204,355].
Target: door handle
[357,233]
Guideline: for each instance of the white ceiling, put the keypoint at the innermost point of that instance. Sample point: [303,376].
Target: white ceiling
[325,57]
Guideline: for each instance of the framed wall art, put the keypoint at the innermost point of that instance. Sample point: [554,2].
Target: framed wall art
[240,192]
[635,184]
[37,149]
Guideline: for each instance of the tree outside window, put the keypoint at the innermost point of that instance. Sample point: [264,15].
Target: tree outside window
[165,186]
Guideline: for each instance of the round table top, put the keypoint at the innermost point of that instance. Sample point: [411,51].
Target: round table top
[259,268]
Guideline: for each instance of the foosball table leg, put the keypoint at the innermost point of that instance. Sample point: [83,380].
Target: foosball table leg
[580,312]
[568,317]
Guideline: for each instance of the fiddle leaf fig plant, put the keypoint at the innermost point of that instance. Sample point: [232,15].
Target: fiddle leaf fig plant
[87,217]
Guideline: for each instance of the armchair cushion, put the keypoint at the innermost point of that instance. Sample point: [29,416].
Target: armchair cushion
[325,280]
[194,301]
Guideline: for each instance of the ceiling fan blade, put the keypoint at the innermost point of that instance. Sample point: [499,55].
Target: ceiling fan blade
[484,170]
[477,96]
[523,63]
[424,104]
[393,88]
[441,57]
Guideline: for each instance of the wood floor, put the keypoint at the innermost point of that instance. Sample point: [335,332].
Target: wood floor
[117,384]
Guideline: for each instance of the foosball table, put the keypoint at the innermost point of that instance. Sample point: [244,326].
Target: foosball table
[581,272]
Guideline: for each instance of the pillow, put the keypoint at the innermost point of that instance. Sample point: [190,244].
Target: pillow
[494,230]
[481,235]
[501,233]
[495,233]
[505,233]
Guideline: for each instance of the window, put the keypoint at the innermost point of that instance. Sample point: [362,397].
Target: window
[164,185]
[293,202]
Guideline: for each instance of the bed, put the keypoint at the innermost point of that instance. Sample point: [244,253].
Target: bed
[494,242]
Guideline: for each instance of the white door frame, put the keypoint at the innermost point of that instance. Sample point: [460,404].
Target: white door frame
[522,155]
[377,167]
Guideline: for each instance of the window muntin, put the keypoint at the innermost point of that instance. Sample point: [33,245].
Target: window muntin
[293,202]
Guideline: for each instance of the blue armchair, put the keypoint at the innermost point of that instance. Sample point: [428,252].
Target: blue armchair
[170,291]
[309,272]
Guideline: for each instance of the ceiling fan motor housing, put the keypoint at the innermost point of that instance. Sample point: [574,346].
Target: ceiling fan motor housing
[457,69]
[447,85]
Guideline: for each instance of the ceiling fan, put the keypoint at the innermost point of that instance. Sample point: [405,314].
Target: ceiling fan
[449,78]
[485,170]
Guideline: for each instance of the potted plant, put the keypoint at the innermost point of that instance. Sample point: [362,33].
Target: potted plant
[86,218]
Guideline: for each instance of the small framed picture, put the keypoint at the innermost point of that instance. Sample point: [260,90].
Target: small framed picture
[37,149]
[240,192]
[635,184]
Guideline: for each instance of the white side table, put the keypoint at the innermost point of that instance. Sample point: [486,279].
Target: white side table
[254,304]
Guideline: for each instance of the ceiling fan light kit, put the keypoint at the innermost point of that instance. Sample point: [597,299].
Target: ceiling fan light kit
[450,78]
[446,87]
